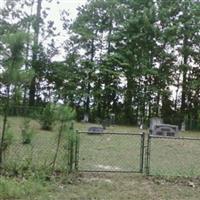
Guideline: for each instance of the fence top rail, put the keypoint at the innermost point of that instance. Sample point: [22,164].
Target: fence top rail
[110,133]
[173,138]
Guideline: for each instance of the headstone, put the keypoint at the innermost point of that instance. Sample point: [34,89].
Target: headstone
[157,127]
[85,118]
[154,121]
[183,126]
[105,123]
[165,130]
[95,130]
[141,126]
[112,118]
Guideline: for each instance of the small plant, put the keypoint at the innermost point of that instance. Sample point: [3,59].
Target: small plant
[6,142]
[26,132]
[8,138]
[64,116]
[47,117]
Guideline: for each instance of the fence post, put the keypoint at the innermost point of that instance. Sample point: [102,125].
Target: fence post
[77,150]
[148,153]
[70,152]
[142,152]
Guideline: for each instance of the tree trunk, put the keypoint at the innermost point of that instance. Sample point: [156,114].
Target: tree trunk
[87,103]
[184,83]
[128,100]
[158,104]
[27,56]
[32,89]
[4,125]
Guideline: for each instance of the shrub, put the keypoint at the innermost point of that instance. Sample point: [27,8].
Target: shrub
[26,132]
[47,117]
[64,116]
[8,138]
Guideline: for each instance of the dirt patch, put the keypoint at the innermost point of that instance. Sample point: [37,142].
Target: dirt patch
[108,167]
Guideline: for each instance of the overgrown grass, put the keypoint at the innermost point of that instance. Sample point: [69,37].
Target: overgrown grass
[36,156]
[100,186]
[13,188]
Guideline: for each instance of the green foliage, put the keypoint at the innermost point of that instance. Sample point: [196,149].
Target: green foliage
[47,117]
[133,50]
[8,138]
[26,132]
[14,46]
[15,189]
[72,141]
[64,116]
[65,113]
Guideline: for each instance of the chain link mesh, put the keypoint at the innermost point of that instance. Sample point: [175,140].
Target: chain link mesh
[174,156]
[40,153]
[110,152]
[35,156]
[115,152]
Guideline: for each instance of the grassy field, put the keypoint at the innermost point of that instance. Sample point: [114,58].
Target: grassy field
[103,153]
[170,157]
[37,155]
[109,152]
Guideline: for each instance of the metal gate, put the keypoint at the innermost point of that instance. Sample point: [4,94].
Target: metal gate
[110,152]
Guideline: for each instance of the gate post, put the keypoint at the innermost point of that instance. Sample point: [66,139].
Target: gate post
[142,152]
[70,153]
[148,153]
[77,150]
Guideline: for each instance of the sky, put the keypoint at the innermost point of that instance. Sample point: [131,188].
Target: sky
[54,14]
[69,5]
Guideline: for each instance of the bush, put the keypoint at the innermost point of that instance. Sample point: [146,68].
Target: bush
[64,116]
[65,113]
[47,117]
[8,138]
[26,132]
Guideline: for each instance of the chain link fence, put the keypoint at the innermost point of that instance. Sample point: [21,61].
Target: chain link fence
[173,156]
[44,153]
[90,152]
[111,152]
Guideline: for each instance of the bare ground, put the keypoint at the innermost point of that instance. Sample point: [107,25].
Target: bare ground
[112,186]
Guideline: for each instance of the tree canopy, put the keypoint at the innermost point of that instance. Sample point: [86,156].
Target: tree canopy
[135,58]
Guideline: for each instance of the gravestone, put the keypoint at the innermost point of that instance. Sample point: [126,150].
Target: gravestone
[95,130]
[158,128]
[183,126]
[140,124]
[154,121]
[105,123]
[85,118]
[112,118]
[165,130]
